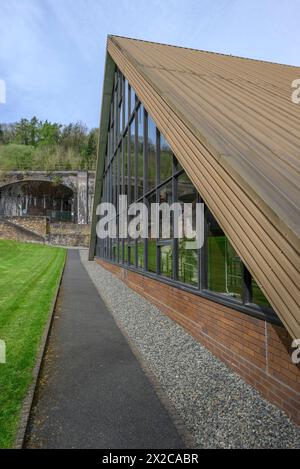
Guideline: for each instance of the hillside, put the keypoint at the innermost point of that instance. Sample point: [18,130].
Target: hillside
[37,145]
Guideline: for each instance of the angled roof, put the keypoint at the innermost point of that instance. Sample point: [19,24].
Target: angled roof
[233,126]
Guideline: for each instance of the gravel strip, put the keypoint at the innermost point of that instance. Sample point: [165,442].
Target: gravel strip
[217,408]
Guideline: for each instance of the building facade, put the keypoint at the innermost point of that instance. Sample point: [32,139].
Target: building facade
[213,291]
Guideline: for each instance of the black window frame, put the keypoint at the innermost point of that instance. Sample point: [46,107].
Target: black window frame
[116,147]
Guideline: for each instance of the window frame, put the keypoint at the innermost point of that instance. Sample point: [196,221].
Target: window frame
[116,159]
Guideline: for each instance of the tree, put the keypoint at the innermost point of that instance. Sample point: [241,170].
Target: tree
[34,126]
[91,150]
[37,144]
[1,134]
[23,132]
[49,134]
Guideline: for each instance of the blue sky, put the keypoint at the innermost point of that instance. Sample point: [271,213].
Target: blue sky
[52,51]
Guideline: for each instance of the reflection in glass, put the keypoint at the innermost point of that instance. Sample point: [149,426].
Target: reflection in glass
[132,254]
[126,101]
[151,154]
[140,253]
[140,149]
[166,260]
[188,262]
[166,160]
[187,254]
[165,196]
[224,264]
[132,100]
[151,241]
[132,160]
[222,267]
[126,252]
[120,120]
[257,295]
[125,156]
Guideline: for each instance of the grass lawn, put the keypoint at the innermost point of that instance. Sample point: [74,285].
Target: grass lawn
[29,275]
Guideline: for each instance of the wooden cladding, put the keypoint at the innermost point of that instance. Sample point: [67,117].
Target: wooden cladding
[260,222]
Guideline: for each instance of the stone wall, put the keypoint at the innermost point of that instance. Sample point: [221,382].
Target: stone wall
[9,230]
[38,225]
[39,229]
[69,234]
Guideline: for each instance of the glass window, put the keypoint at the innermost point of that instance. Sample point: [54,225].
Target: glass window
[187,194]
[115,252]
[114,186]
[121,117]
[140,151]
[120,151]
[177,165]
[117,157]
[112,110]
[116,121]
[166,262]
[165,196]
[125,156]
[126,252]
[151,154]
[132,100]
[151,240]
[166,160]
[132,161]
[125,172]
[126,102]
[132,254]
[188,262]
[112,133]
[140,253]
[224,264]
[188,256]
[257,295]
[120,122]
[120,91]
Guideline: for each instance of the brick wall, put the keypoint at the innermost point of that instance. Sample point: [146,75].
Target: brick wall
[257,350]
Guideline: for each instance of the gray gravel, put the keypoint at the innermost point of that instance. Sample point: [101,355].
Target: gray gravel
[217,408]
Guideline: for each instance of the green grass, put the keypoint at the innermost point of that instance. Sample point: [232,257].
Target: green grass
[14,156]
[29,275]
[27,158]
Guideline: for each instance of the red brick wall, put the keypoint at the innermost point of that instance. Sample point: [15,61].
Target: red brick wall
[256,350]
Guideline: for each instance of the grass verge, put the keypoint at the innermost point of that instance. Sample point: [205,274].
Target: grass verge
[29,275]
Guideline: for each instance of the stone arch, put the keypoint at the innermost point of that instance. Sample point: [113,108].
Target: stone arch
[39,197]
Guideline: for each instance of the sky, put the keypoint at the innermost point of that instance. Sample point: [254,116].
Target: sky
[52,52]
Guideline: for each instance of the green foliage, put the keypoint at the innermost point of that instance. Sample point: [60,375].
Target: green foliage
[34,271]
[36,145]
[16,157]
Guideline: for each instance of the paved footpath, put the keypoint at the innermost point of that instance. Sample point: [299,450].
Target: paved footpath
[93,392]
